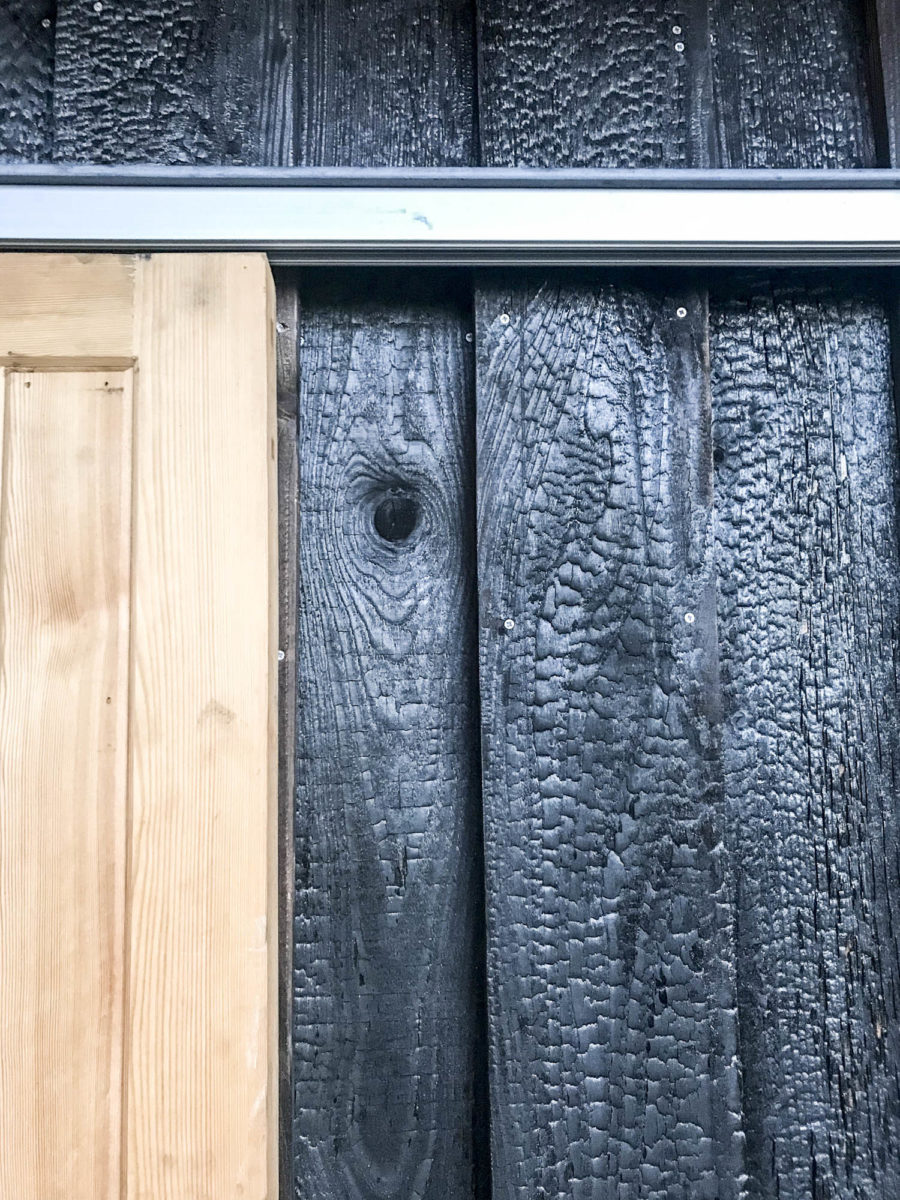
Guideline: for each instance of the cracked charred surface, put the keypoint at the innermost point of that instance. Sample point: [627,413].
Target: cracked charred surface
[386,83]
[175,81]
[388,845]
[806,543]
[610,919]
[26,80]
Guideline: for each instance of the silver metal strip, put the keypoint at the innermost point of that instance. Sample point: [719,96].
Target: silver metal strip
[455,225]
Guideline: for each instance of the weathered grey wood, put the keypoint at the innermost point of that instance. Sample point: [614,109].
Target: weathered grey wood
[387,829]
[611,968]
[387,83]
[26,80]
[175,81]
[809,618]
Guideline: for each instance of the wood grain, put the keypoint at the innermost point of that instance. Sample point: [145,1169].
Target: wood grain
[65,511]
[809,613]
[385,1009]
[26,80]
[611,966]
[791,87]
[174,81]
[200,1081]
[386,83]
[884,30]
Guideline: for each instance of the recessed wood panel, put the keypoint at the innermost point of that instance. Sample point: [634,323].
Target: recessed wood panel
[65,500]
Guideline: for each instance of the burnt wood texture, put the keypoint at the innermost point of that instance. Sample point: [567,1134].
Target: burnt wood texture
[388,1024]
[685,641]
[688,995]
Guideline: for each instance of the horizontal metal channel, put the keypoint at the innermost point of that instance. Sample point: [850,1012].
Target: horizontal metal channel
[609,218]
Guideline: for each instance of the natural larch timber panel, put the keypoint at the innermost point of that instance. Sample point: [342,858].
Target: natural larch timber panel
[210,82]
[200,1068]
[65,550]
[613,1031]
[388,860]
[138,1054]
[809,618]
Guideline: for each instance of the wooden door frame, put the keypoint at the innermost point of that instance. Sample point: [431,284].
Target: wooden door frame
[462,216]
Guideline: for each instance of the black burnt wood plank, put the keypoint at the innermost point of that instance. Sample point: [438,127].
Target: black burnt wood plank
[610,919]
[388,895]
[388,1018]
[611,978]
[809,619]
[26,80]
[175,81]
[763,85]
[387,83]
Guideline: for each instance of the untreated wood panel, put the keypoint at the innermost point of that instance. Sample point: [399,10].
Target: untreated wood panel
[387,83]
[201,1081]
[26,79]
[174,81]
[387,894]
[65,548]
[809,615]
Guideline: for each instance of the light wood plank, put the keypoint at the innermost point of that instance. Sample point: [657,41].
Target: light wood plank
[66,305]
[201,1086]
[65,551]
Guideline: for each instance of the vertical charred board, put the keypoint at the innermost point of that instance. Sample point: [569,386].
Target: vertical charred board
[388,1005]
[610,930]
[884,30]
[387,83]
[26,79]
[595,85]
[387,831]
[791,84]
[175,81]
[806,531]
[809,598]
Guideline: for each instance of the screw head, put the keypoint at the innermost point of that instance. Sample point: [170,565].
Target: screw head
[689,618]
[98,7]
[679,47]
[281,656]
[504,318]
[46,23]
[509,623]
[676,29]
[681,312]
[469,337]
